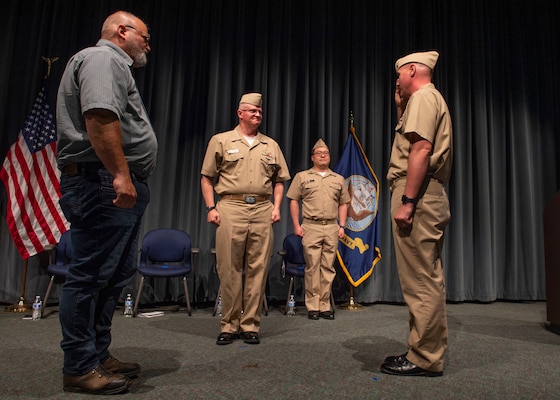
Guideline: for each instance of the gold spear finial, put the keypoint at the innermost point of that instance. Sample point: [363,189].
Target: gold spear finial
[50,61]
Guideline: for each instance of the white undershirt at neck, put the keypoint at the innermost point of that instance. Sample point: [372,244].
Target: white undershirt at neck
[250,139]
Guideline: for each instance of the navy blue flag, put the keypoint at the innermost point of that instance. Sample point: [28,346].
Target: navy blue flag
[358,251]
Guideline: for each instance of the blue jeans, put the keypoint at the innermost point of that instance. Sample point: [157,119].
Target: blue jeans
[105,242]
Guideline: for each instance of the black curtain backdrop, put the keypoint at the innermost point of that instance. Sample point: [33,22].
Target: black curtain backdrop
[316,61]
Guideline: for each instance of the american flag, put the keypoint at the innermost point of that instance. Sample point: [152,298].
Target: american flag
[32,182]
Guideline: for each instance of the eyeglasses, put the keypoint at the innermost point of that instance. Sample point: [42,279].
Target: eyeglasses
[321,153]
[145,37]
[253,111]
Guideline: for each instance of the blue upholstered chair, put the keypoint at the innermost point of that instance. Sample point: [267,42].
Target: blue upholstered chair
[60,257]
[166,253]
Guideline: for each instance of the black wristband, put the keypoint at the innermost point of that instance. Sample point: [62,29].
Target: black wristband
[406,200]
[208,209]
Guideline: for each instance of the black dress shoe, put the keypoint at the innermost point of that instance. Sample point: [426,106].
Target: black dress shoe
[313,315]
[251,337]
[326,315]
[404,367]
[226,338]
[393,359]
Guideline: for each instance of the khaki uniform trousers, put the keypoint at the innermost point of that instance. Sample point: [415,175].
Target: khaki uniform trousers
[319,250]
[244,241]
[418,255]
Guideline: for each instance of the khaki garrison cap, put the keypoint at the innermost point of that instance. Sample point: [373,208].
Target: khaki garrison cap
[319,143]
[251,98]
[428,58]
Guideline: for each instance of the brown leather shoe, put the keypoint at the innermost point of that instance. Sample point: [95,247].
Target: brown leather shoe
[97,381]
[115,366]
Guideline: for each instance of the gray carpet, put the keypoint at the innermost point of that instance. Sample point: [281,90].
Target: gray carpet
[496,351]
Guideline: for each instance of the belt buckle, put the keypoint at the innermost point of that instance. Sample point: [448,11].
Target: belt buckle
[323,222]
[250,200]
[71,169]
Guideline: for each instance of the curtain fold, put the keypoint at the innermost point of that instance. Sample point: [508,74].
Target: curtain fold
[316,61]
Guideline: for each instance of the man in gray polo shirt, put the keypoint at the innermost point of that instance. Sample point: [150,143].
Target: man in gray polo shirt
[106,150]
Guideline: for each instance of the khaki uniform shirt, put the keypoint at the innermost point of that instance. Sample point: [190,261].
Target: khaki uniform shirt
[426,114]
[320,195]
[241,168]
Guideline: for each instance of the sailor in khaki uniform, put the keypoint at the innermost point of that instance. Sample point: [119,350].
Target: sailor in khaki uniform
[419,169]
[324,199]
[245,168]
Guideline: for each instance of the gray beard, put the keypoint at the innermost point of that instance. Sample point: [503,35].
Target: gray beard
[140,60]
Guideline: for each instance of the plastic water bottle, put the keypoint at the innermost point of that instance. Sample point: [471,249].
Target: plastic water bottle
[128,303]
[219,307]
[291,306]
[37,306]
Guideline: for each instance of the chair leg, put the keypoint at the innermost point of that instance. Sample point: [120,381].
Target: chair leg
[265,304]
[189,311]
[47,295]
[290,286]
[216,302]
[135,310]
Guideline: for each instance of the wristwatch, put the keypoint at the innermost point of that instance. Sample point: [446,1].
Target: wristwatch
[208,209]
[406,200]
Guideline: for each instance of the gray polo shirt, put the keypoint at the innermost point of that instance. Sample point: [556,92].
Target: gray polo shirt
[101,77]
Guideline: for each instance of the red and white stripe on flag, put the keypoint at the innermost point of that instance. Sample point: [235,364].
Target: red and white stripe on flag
[32,182]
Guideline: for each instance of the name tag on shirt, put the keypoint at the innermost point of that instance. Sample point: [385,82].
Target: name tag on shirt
[232,151]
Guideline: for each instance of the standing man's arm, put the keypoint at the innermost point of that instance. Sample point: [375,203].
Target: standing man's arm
[342,215]
[104,132]
[418,161]
[207,188]
[294,213]
[278,195]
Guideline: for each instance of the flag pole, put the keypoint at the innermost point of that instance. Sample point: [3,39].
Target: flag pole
[351,305]
[21,306]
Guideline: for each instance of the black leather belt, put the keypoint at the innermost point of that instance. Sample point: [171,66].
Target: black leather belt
[247,198]
[320,221]
[85,168]
[80,168]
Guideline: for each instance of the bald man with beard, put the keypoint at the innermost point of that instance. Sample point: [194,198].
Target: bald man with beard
[106,150]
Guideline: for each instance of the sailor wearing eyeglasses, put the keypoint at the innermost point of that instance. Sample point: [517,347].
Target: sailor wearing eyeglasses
[245,168]
[325,200]
[106,150]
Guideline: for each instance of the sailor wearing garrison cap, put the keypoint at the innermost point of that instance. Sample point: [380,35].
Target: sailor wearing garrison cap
[319,143]
[428,58]
[254,99]
[245,168]
[419,169]
[325,200]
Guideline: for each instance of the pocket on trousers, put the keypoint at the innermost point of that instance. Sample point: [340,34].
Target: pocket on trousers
[71,188]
